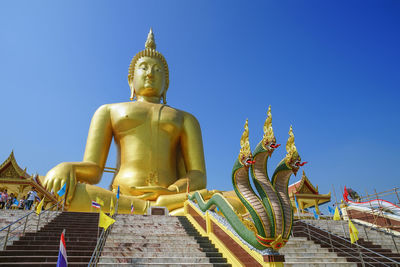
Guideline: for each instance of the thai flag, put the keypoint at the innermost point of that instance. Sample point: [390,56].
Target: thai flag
[95,204]
[132,208]
[62,254]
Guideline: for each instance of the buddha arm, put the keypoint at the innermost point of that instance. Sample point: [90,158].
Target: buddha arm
[193,155]
[97,147]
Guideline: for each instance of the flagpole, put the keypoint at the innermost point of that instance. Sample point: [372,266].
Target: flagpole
[336,202]
[334,193]
[116,207]
[345,207]
[296,203]
[65,197]
[98,224]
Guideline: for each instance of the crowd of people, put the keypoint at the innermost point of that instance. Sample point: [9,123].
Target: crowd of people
[10,201]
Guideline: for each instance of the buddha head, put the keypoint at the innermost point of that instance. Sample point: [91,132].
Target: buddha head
[148,72]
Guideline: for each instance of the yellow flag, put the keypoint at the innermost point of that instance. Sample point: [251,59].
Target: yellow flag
[336,216]
[112,209]
[39,207]
[105,221]
[100,201]
[353,232]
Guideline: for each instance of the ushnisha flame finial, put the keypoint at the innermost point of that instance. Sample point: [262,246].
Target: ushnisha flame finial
[245,156]
[269,141]
[150,42]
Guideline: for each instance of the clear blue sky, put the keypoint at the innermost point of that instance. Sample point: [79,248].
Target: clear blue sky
[329,68]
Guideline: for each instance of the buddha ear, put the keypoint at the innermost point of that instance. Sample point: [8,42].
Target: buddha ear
[133,93]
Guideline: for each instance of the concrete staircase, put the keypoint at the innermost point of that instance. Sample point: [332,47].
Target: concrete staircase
[344,248]
[302,252]
[41,248]
[140,240]
[366,233]
[9,216]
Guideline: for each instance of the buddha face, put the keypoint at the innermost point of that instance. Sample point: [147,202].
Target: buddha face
[149,77]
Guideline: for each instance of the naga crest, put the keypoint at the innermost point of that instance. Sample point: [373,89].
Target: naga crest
[268,141]
[292,158]
[245,156]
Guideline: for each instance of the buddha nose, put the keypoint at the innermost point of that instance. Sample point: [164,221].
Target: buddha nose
[150,72]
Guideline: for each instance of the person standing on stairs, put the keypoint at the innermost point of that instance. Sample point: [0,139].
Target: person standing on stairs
[32,195]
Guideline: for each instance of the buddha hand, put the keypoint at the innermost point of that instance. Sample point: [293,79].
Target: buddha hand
[150,192]
[58,176]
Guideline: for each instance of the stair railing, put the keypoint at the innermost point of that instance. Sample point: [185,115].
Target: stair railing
[100,245]
[9,233]
[311,232]
[381,231]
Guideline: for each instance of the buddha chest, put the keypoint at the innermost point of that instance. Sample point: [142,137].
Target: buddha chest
[145,119]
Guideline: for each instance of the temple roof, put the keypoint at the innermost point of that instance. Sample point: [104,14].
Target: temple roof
[10,169]
[304,186]
[12,173]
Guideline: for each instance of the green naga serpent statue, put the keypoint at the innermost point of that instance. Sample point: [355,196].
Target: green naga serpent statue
[271,210]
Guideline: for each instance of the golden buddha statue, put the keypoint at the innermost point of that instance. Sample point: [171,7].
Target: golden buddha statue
[160,148]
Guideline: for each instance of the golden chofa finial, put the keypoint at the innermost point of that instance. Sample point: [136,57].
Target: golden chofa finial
[150,42]
[245,151]
[269,137]
[292,156]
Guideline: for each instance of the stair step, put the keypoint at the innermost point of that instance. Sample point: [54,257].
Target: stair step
[320,264]
[159,260]
[44,252]
[184,249]
[167,265]
[46,247]
[22,258]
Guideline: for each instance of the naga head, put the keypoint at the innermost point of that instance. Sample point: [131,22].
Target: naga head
[269,142]
[292,159]
[245,156]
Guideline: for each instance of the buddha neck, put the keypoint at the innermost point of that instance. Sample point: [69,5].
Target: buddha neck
[151,99]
